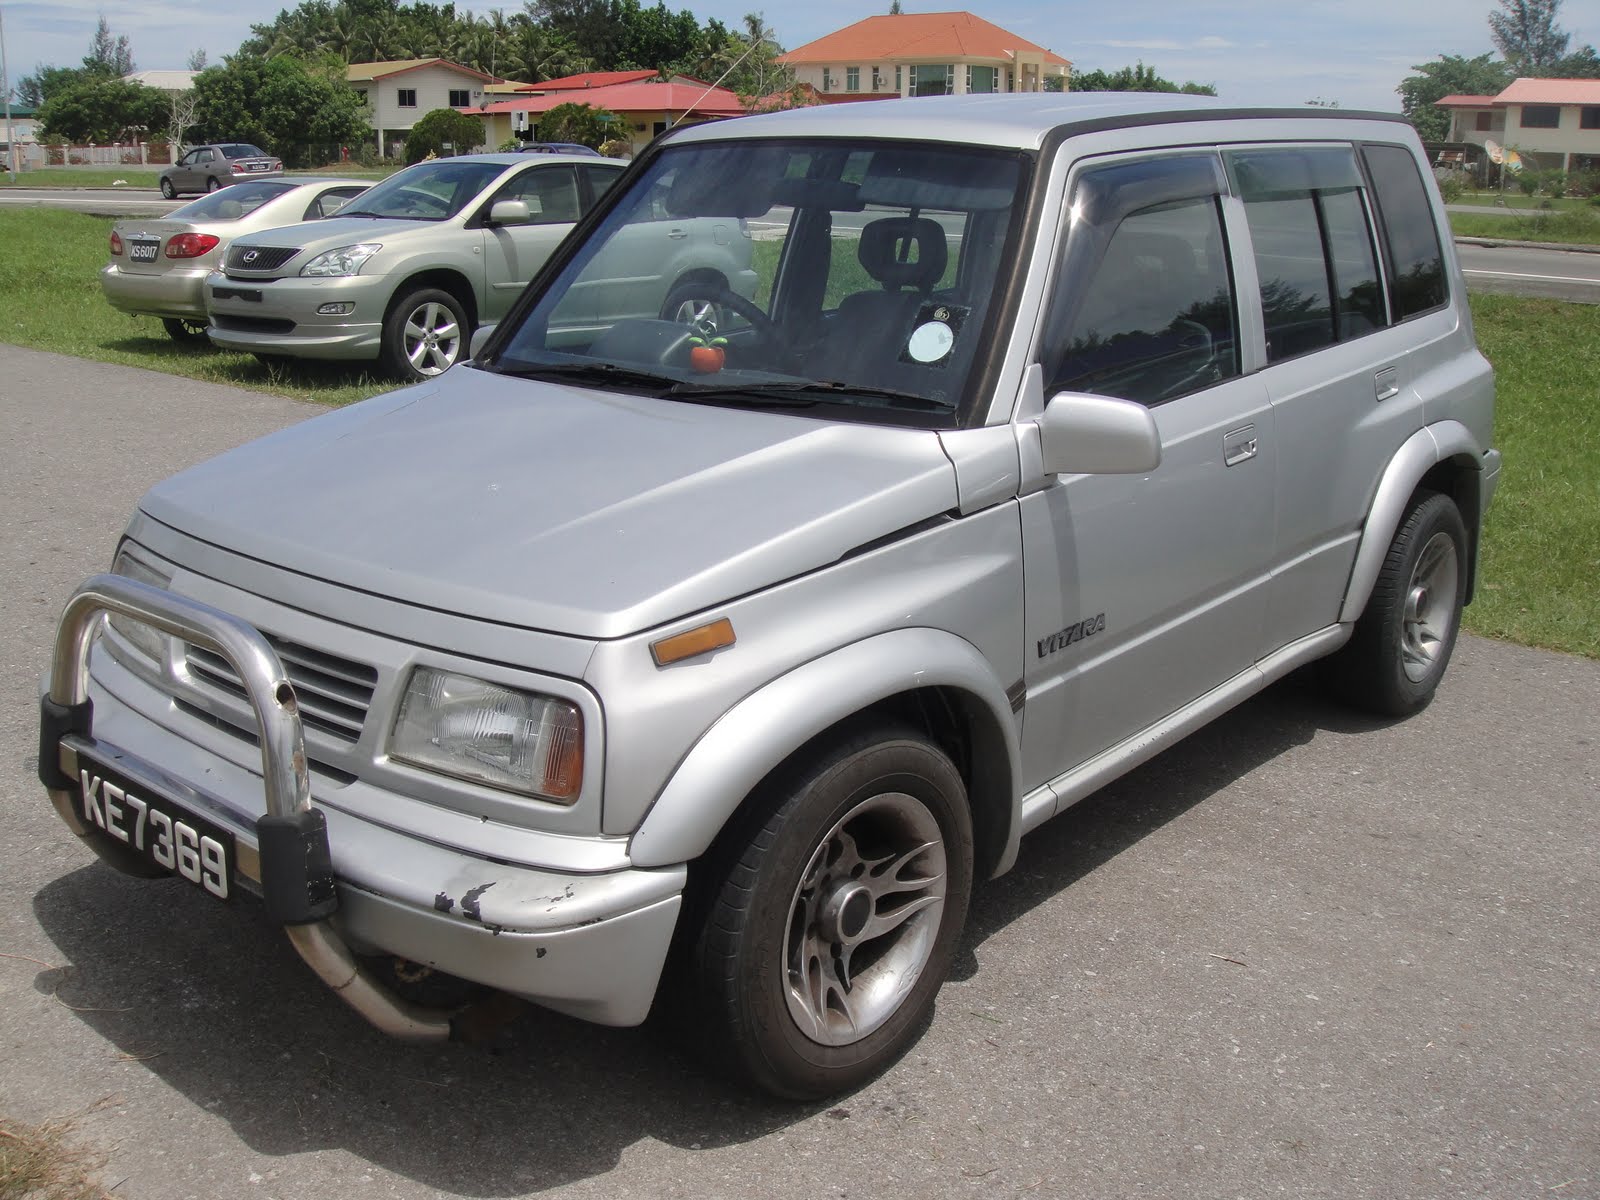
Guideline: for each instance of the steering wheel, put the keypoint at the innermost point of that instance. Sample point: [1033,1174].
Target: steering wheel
[695,301]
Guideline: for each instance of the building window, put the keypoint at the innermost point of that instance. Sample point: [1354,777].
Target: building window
[1484,122]
[852,79]
[406,97]
[898,85]
[827,79]
[1590,117]
[877,79]
[1541,116]
[460,98]
[983,79]
[932,79]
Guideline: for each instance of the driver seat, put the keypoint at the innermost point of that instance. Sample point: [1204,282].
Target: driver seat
[906,256]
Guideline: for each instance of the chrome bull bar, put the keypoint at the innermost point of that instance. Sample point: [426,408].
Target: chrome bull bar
[296,873]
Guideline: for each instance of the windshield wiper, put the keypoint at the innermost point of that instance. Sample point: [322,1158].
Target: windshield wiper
[590,372]
[806,393]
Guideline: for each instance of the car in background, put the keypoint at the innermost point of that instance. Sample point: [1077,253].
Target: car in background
[408,271]
[159,266]
[207,168]
[558,148]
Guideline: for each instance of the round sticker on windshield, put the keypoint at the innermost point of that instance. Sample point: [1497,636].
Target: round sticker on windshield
[931,342]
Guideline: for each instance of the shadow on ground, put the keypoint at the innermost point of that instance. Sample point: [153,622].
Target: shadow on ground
[211,1000]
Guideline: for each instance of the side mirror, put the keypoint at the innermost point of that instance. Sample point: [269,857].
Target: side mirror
[1081,434]
[510,212]
[482,333]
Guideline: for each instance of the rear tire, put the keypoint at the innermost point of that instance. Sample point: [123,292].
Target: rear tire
[167,190]
[1402,644]
[425,334]
[184,331]
[836,914]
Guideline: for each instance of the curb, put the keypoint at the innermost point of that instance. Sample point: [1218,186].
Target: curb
[1572,247]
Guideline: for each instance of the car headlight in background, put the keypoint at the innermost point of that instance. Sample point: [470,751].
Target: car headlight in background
[346,260]
[489,733]
[152,643]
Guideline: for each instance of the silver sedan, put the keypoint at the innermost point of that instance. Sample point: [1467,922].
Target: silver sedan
[158,266]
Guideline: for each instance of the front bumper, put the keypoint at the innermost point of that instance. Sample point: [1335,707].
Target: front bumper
[176,293]
[588,944]
[282,316]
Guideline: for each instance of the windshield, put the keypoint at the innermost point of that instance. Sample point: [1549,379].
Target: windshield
[429,191]
[852,276]
[243,151]
[231,202]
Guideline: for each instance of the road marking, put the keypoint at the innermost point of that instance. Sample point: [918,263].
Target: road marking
[1520,275]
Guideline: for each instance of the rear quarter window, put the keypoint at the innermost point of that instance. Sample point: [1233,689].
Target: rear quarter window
[1410,237]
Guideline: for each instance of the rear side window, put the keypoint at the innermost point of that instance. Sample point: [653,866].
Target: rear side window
[1313,246]
[1411,240]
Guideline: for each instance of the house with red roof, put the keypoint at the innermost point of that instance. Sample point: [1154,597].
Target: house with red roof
[1555,122]
[400,93]
[645,104]
[922,54]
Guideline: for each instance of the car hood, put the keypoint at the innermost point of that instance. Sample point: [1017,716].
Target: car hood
[332,232]
[558,508]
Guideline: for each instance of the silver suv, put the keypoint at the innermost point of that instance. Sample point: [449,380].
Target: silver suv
[408,271]
[746,636]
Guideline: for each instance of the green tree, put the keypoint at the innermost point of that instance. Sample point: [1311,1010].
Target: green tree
[100,109]
[1138,78]
[109,55]
[1448,75]
[463,132]
[578,123]
[34,90]
[293,109]
[1527,37]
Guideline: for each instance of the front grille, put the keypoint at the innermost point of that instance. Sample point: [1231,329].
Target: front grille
[257,259]
[252,324]
[333,693]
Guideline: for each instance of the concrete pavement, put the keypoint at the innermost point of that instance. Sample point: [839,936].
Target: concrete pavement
[1301,955]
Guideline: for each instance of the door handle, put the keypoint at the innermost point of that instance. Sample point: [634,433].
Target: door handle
[676,234]
[1387,382]
[1239,446]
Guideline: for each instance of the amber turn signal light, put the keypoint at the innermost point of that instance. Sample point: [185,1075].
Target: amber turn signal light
[693,642]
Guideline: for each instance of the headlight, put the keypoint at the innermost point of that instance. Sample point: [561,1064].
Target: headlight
[346,260]
[152,643]
[489,733]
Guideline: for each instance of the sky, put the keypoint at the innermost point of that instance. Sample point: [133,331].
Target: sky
[1279,52]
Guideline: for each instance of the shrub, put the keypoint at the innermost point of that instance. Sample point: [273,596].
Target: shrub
[428,137]
[1452,183]
[617,148]
[577,123]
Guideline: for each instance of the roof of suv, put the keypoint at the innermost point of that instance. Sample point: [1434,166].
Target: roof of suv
[1023,120]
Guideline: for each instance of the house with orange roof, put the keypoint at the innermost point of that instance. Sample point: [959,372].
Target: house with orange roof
[922,54]
[400,93]
[645,104]
[1556,122]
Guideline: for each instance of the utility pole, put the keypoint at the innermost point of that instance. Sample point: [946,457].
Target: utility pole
[5,86]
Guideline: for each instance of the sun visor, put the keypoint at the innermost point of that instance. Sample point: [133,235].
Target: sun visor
[724,180]
[906,179]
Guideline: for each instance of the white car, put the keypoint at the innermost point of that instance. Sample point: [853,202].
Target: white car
[158,266]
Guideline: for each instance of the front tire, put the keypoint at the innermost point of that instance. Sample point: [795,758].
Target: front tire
[212,184]
[837,914]
[1402,644]
[183,331]
[425,334]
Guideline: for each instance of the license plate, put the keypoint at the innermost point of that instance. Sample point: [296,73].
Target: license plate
[143,251]
[258,166]
[156,828]
[228,293]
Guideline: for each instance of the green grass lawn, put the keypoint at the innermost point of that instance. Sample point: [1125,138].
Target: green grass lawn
[1541,541]
[1573,226]
[149,177]
[50,300]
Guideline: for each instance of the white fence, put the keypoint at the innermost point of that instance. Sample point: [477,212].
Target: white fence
[31,156]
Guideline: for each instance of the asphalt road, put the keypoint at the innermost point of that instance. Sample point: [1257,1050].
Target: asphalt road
[1301,955]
